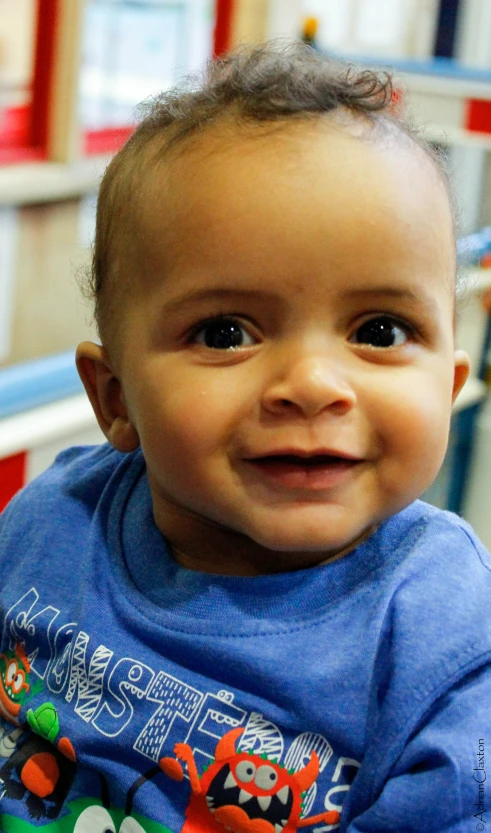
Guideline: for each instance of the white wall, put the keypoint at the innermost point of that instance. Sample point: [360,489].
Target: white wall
[391,28]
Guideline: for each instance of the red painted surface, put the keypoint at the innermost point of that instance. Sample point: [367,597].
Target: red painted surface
[44,59]
[14,156]
[108,140]
[24,130]
[12,476]
[478,116]
[15,124]
[222,37]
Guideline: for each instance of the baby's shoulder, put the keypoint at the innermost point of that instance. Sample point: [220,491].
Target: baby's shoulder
[454,542]
[430,608]
[59,503]
[433,543]
[438,592]
[75,470]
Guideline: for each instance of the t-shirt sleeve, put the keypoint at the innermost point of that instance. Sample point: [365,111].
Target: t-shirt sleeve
[48,519]
[441,781]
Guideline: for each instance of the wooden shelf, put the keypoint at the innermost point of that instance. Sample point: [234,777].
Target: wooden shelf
[39,182]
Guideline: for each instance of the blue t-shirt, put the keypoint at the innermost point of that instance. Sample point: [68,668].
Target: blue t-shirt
[164,699]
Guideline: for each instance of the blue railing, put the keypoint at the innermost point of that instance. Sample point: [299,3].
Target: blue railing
[31,384]
[436,66]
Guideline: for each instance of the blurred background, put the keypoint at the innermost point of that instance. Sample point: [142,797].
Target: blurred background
[71,74]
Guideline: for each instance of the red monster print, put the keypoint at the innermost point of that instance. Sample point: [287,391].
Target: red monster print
[243,792]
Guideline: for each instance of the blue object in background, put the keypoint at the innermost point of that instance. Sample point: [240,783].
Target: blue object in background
[31,384]
[446,28]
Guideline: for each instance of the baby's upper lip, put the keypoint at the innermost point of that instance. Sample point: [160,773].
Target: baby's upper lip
[304,453]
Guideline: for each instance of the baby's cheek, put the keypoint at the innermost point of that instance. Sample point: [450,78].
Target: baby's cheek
[185,436]
[421,445]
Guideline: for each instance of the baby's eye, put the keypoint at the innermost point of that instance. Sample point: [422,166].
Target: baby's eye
[222,333]
[382,331]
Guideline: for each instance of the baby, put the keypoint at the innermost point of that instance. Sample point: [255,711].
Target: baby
[237,615]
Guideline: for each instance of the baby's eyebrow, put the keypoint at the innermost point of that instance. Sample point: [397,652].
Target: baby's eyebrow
[395,291]
[420,298]
[195,296]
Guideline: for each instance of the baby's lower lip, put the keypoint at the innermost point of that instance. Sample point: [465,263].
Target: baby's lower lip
[314,473]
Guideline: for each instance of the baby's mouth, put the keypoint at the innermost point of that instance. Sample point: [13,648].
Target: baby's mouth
[315,461]
[315,471]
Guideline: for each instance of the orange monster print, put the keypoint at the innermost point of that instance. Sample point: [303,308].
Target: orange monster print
[15,672]
[243,792]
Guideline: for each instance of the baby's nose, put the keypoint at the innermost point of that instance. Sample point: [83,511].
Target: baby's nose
[310,385]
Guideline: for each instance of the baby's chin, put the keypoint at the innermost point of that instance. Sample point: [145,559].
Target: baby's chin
[297,551]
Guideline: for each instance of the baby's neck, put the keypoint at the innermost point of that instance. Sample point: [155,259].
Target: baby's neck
[204,546]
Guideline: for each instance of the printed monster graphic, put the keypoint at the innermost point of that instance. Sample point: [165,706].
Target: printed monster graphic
[92,815]
[8,740]
[15,687]
[239,791]
[39,774]
[86,817]
[94,818]
[243,792]
[42,774]
[37,771]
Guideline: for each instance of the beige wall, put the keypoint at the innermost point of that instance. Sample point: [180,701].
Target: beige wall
[17,20]
[49,314]
[250,20]
[257,20]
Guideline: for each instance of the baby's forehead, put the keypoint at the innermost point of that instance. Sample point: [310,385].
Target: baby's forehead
[340,132]
[226,170]
[232,162]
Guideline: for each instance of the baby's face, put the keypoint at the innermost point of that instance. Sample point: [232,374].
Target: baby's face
[288,356]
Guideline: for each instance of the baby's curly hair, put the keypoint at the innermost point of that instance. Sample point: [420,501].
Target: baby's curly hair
[266,84]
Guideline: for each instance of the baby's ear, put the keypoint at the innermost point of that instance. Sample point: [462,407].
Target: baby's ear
[106,396]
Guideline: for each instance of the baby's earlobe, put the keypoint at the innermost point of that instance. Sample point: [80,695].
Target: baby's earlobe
[122,435]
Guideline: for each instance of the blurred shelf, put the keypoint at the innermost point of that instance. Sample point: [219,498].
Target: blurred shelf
[442,74]
[473,392]
[40,182]
[43,425]
[459,84]
[451,103]
[444,135]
